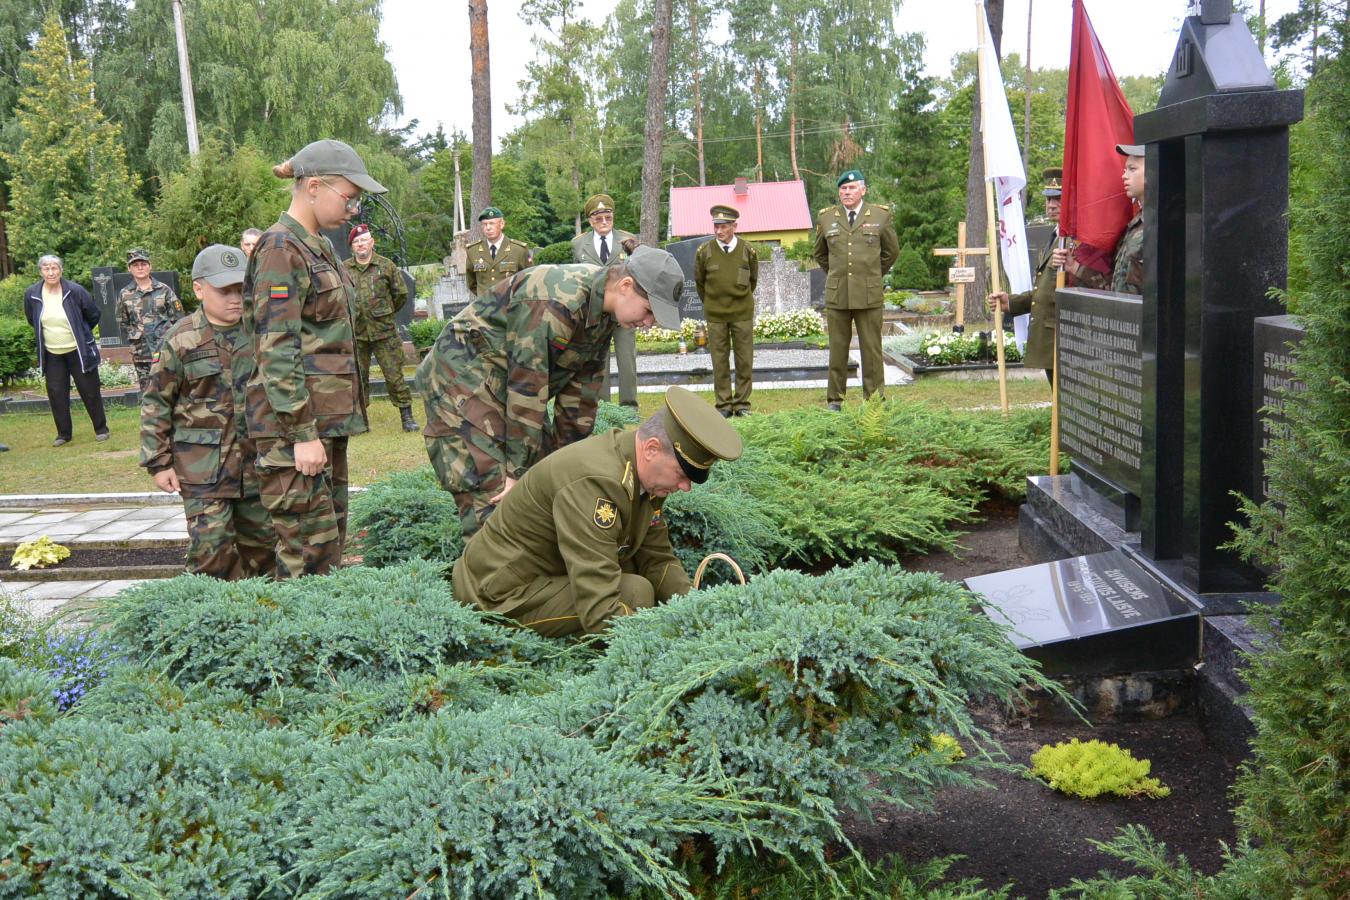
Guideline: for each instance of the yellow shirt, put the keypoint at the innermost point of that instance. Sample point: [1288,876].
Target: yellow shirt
[57,336]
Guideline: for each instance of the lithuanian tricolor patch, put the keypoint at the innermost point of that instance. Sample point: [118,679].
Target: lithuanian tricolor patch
[281,292]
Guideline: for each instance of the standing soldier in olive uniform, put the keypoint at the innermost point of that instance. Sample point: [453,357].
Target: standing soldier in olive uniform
[146,310]
[495,257]
[582,538]
[380,293]
[304,399]
[600,246]
[490,375]
[1040,300]
[856,245]
[726,271]
[194,439]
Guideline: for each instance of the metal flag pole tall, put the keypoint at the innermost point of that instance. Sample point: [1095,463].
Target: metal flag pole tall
[185,76]
[992,239]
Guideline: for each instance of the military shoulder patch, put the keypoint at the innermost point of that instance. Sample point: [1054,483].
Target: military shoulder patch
[280,292]
[605,512]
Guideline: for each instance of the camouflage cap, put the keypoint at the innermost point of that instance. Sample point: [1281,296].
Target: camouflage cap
[657,272]
[724,215]
[491,212]
[698,433]
[850,176]
[331,157]
[598,203]
[1130,149]
[219,266]
[137,254]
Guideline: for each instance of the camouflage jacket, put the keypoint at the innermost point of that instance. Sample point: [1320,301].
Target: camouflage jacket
[483,271]
[542,335]
[855,257]
[1128,276]
[380,293]
[298,314]
[192,415]
[145,316]
[581,513]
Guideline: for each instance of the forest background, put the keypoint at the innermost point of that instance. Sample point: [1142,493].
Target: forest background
[93,147]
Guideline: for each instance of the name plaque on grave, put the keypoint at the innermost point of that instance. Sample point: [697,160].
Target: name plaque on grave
[1275,387]
[1100,371]
[691,305]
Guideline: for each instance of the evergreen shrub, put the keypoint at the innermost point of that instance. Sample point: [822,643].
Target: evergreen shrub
[18,348]
[425,331]
[405,516]
[554,254]
[12,289]
[910,271]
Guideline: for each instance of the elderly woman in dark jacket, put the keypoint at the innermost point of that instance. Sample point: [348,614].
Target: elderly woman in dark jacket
[63,316]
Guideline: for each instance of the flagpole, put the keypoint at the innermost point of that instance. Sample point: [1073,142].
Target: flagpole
[1054,375]
[983,58]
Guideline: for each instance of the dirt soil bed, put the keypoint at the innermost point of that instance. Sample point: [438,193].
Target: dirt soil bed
[81,558]
[1020,832]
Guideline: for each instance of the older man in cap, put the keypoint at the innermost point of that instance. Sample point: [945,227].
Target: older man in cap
[1040,300]
[194,437]
[856,245]
[726,270]
[381,292]
[146,310]
[600,246]
[582,538]
[489,377]
[496,257]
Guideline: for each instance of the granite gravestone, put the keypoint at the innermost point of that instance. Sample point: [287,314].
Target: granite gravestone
[1273,387]
[691,306]
[108,284]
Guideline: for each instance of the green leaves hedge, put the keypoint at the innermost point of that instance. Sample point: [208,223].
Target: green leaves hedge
[363,735]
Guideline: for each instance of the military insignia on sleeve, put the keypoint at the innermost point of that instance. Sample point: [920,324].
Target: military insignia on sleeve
[280,292]
[605,513]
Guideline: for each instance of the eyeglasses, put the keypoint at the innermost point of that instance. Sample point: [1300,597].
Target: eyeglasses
[602,217]
[353,203]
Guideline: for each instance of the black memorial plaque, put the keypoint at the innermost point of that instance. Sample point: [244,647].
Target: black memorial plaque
[1097,613]
[1038,235]
[691,306]
[1100,383]
[1274,387]
[108,285]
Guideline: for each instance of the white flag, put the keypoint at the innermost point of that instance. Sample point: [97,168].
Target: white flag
[1003,166]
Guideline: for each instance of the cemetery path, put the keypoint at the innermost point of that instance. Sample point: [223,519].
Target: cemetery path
[1019,831]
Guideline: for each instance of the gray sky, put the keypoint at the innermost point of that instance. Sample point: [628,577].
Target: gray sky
[429,45]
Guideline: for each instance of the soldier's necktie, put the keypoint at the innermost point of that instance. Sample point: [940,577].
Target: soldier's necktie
[726,248]
[493,248]
[852,215]
[604,249]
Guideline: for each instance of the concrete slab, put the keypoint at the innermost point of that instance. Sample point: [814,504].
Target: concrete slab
[44,519]
[13,518]
[153,513]
[108,588]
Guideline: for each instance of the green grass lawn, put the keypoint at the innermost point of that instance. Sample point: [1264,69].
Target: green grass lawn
[33,466]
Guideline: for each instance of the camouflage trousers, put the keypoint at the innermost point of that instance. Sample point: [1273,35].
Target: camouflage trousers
[309,514]
[389,354]
[142,365]
[229,539]
[468,465]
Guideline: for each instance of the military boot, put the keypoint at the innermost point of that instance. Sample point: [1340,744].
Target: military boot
[409,423]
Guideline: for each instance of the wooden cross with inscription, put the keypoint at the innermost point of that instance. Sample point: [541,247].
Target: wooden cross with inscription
[961,274]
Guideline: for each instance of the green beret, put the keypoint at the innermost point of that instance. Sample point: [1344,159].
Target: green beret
[723,215]
[491,212]
[698,433]
[599,203]
[849,176]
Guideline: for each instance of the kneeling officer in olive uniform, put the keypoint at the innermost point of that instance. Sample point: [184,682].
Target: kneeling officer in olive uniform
[194,437]
[581,539]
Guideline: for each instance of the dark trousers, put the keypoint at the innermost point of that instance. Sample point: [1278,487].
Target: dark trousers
[59,369]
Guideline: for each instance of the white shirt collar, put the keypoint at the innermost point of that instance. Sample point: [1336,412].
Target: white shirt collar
[857,209]
[731,245]
[497,246]
[609,238]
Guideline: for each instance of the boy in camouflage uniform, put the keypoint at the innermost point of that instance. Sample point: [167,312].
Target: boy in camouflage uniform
[380,293]
[194,439]
[543,335]
[146,310]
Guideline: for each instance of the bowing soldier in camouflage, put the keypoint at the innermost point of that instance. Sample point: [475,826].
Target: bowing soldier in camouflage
[1040,300]
[601,246]
[194,438]
[146,310]
[856,245]
[544,335]
[380,293]
[726,270]
[304,398]
[496,256]
[582,538]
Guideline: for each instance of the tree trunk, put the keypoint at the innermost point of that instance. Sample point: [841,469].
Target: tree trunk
[977,222]
[6,264]
[792,108]
[698,91]
[480,195]
[657,78]
[759,127]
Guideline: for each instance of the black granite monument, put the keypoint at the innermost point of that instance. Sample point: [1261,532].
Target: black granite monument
[109,282]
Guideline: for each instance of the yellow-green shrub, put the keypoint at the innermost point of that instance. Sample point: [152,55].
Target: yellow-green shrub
[1095,768]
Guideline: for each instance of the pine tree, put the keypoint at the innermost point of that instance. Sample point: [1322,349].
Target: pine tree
[70,190]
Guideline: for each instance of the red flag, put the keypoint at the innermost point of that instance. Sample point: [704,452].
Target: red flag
[1094,209]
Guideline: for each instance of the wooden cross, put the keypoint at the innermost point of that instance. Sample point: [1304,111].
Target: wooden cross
[961,274]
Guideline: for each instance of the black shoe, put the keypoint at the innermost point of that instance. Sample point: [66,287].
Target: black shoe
[741,412]
[4,448]
[409,423]
[725,413]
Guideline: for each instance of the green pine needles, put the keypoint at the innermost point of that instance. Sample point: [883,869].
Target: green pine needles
[364,735]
